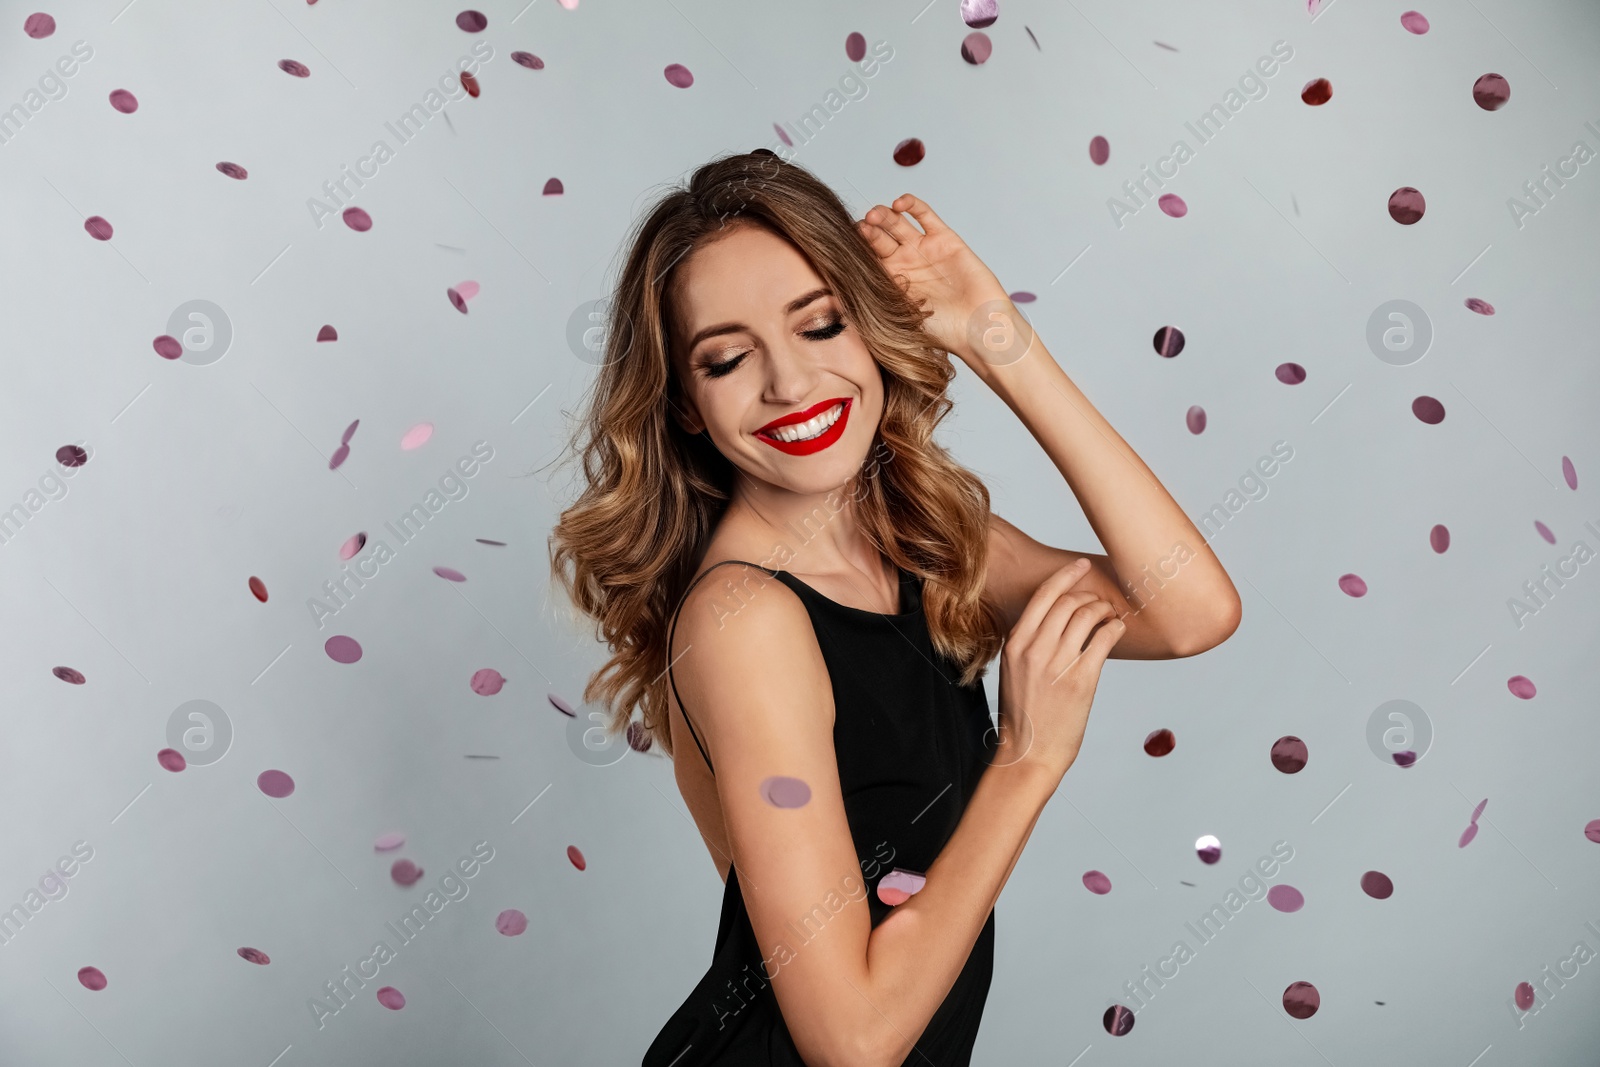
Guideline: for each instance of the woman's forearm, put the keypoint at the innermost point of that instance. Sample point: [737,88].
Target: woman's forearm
[915,955]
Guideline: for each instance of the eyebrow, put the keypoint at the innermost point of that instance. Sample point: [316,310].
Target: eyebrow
[734,327]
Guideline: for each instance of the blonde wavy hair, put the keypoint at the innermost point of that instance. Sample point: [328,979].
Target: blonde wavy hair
[627,548]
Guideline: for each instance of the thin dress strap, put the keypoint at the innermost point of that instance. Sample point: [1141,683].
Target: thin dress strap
[673,630]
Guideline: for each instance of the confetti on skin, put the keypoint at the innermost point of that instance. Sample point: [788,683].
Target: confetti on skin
[1482,307]
[1290,373]
[784,792]
[1160,742]
[1569,472]
[527,59]
[1521,686]
[899,886]
[258,589]
[71,456]
[355,544]
[295,67]
[416,437]
[327,333]
[639,737]
[979,13]
[233,170]
[1591,830]
[487,682]
[340,454]
[1301,1000]
[167,347]
[576,857]
[470,84]
[1022,297]
[1544,531]
[1168,341]
[98,228]
[1406,205]
[39,25]
[1099,150]
[909,153]
[388,842]
[678,75]
[1117,1020]
[1439,538]
[1096,882]
[976,48]
[553,187]
[1377,885]
[472,21]
[67,674]
[349,432]
[1524,995]
[1405,759]
[357,219]
[450,574]
[255,955]
[1286,898]
[171,759]
[1491,92]
[855,46]
[1208,848]
[1195,419]
[275,784]
[457,301]
[391,998]
[342,649]
[404,872]
[1415,22]
[1352,585]
[1172,204]
[124,101]
[1289,754]
[561,706]
[1317,91]
[511,922]
[92,978]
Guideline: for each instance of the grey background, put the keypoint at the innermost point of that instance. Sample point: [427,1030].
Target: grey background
[201,476]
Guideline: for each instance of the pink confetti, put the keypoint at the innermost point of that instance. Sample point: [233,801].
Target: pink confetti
[1208,848]
[1172,204]
[171,759]
[340,454]
[576,857]
[1521,686]
[527,59]
[327,333]
[1544,531]
[92,978]
[1406,205]
[124,101]
[1290,373]
[1301,1000]
[783,135]
[391,998]
[910,152]
[275,784]
[1569,472]
[979,13]
[233,170]
[511,922]
[1099,150]
[39,25]
[416,437]
[1490,92]
[1096,882]
[1439,539]
[98,228]
[168,347]
[404,872]
[67,674]
[1524,994]
[487,682]
[1467,835]
[255,955]
[356,543]
[553,187]
[1160,742]
[784,792]
[1117,1020]
[678,75]
[1414,21]
[1195,418]
[468,290]
[976,48]
[1377,885]
[1352,585]
[388,842]
[349,432]
[1482,307]
[1591,830]
[450,574]
[457,301]
[295,67]
[357,219]
[561,705]
[1477,811]
[342,649]
[1289,754]
[472,21]
[1286,898]
[855,47]
[899,886]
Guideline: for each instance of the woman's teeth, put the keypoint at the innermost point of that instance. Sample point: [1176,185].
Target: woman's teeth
[803,430]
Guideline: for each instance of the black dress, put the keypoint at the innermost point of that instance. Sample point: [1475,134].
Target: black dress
[911,745]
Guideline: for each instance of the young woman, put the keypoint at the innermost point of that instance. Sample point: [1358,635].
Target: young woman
[770,531]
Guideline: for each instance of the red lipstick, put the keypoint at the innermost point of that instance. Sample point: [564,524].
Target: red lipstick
[814,444]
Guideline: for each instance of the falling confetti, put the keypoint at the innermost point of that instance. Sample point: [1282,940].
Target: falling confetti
[1317,92]
[340,454]
[1491,92]
[511,922]
[404,872]
[1168,341]
[1034,39]
[167,347]
[357,219]
[1405,759]
[1099,150]
[1163,44]
[678,75]
[1096,882]
[1591,830]
[388,842]
[1524,995]
[561,705]
[1117,1020]
[92,978]
[486,541]
[1160,742]
[1569,472]
[391,998]
[1172,204]
[295,67]
[855,47]
[275,784]
[233,170]
[171,759]
[327,333]
[1352,585]
[576,857]
[909,153]
[527,59]
[553,187]
[1439,538]
[39,25]
[1544,531]
[450,574]
[416,437]
[1195,419]
[71,456]
[349,432]
[1208,848]
[124,101]
[1301,1000]
[1289,754]
[1414,21]
[1477,812]
[976,48]
[783,135]
[457,301]
[639,737]
[1377,885]
[487,682]
[470,84]
[979,13]
[355,544]
[1482,307]
[98,228]
[472,21]
[1021,297]
[255,955]
[1406,205]
[342,649]
[783,792]
[67,674]
[468,289]
[1290,373]
[1521,686]
[1286,898]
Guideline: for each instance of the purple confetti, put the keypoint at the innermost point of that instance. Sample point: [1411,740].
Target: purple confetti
[1482,307]
[168,347]
[1096,882]
[92,978]
[1290,373]
[1490,92]
[1289,754]
[1208,848]
[171,759]
[233,170]
[1286,898]
[275,784]
[855,47]
[1195,418]
[404,872]
[678,75]
[98,228]
[1544,531]
[1569,472]
[391,998]
[1521,686]
[124,101]
[979,13]
[1352,585]
[1591,830]
[1428,410]
[1477,811]
[1406,205]
[1301,1000]
[976,48]
[527,59]
[1117,1020]
[472,21]
[1439,539]
[342,649]
[1467,835]
[511,922]
[1172,204]
[450,574]
[295,67]
[1099,150]
[357,219]
[1377,885]
[561,705]
[67,674]
[255,955]
[1405,759]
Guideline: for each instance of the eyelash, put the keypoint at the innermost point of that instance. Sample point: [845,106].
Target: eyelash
[825,333]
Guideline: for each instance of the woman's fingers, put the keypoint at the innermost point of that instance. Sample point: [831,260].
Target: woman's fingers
[878,238]
[919,210]
[1045,596]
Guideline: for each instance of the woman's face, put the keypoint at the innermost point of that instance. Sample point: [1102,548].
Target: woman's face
[762,340]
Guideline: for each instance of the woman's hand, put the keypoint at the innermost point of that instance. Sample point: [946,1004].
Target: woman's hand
[1047,677]
[934,265]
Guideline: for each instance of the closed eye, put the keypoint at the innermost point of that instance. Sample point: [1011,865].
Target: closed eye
[823,333]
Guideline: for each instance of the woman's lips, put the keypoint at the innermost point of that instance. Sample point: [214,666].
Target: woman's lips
[815,444]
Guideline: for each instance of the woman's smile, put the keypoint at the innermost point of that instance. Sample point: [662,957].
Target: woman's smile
[798,435]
